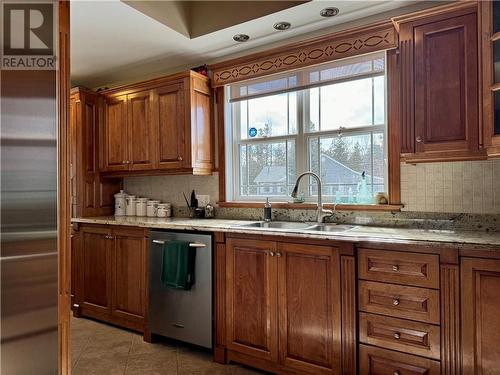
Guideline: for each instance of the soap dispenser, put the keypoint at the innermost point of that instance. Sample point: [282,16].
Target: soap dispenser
[267,210]
[364,195]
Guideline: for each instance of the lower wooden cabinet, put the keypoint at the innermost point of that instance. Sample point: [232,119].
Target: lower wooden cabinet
[480,288]
[109,274]
[283,304]
[377,361]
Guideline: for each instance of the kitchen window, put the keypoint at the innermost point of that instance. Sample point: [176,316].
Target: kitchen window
[330,119]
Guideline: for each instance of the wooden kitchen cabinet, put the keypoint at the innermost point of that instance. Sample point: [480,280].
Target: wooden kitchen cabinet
[115,135]
[109,269]
[440,85]
[480,292]
[251,298]
[91,195]
[93,288]
[128,275]
[309,308]
[162,126]
[283,305]
[489,28]
[171,140]
[140,131]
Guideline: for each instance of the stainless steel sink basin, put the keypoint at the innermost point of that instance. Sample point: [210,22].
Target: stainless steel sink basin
[330,228]
[285,225]
[276,225]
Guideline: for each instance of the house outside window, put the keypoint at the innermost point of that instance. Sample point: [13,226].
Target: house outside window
[329,119]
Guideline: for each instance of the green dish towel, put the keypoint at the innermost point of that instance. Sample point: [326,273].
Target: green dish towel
[178,265]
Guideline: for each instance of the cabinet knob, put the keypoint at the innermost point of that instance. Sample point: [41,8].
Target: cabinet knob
[396,335]
[272,253]
[395,301]
[396,373]
[179,158]
[419,139]
[395,268]
[278,254]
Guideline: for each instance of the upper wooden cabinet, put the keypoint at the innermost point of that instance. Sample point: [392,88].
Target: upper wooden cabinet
[490,53]
[91,195]
[158,126]
[439,85]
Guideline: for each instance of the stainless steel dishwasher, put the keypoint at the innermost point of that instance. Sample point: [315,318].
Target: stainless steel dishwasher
[184,315]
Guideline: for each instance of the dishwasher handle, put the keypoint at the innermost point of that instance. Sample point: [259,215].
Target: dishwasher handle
[193,244]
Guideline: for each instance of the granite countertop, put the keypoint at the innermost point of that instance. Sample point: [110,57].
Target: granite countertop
[358,233]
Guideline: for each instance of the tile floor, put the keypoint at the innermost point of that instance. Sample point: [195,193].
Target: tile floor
[101,349]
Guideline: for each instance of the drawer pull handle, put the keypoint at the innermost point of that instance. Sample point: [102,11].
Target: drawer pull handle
[395,268]
[397,336]
[395,301]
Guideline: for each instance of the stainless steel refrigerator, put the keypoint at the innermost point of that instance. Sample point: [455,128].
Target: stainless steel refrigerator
[28,223]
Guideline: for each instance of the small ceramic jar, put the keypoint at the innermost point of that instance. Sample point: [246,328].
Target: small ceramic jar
[120,203]
[164,210]
[151,208]
[140,206]
[131,202]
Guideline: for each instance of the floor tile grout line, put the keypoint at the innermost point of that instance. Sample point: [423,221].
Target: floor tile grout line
[128,356]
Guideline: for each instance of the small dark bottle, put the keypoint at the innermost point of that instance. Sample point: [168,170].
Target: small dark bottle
[267,211]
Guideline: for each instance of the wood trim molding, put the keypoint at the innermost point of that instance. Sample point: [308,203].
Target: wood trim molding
[312,206]
[460,7]
[393,127]
[349,322]
[220,303]
[221,144]
[63,196]
[155,82]
[370,38]
[450,320]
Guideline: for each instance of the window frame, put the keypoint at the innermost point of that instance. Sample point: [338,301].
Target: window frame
[393,145]
[301,138]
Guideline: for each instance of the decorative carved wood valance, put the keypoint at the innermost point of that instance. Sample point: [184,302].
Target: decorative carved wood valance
[335,46]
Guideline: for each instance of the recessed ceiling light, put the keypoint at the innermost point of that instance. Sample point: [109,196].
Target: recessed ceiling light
[241,37]
[282,26]
[329,12]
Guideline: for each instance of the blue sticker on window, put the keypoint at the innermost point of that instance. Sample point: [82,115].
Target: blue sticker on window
[252,132]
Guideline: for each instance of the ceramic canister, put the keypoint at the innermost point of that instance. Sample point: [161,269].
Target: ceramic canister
[151,208]
[131,202]
[164,210]
[120,203]
[140,206]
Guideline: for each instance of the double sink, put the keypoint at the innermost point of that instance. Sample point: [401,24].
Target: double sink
[293,226]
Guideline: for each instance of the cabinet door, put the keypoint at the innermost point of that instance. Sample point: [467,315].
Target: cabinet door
[309,308]
[141,131]
[115,137]
[480,287]
[172,143]
[93,290]
[446,85]
[251,298]
[128,274]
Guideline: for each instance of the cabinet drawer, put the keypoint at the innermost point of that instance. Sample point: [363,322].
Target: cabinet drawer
[399,301]
[399,267]
[399,334]
[376,361]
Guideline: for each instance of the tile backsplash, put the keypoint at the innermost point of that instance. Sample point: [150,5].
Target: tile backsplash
[465,187]
[451,187]
[170,188]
